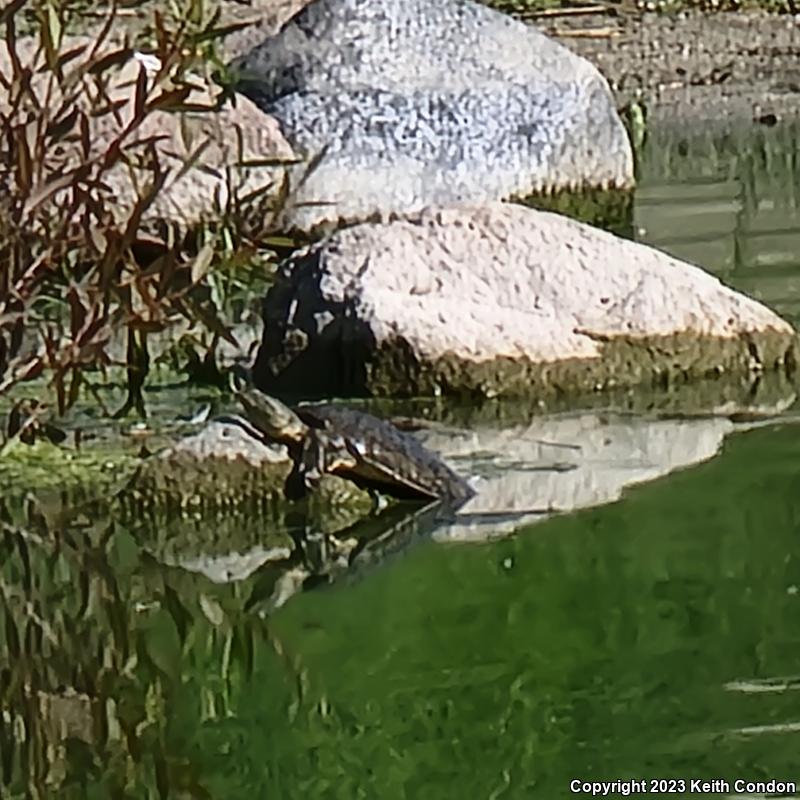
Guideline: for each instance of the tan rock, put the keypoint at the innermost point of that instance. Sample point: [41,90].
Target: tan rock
[502,299]
[202,150]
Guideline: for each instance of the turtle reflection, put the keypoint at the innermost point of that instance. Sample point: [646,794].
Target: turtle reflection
[321,559]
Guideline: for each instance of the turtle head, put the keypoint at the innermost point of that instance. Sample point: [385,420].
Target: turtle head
[272,417]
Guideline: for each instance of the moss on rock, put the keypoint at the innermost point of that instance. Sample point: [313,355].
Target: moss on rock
[624,362]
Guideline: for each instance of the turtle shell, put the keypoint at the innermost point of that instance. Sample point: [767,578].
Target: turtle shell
[374,454]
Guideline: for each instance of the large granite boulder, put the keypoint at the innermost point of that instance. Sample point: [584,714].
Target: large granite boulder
[502,300]
[401,104]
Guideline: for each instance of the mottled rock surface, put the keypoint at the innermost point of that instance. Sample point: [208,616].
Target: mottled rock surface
[502,300]
[225,464]
[415,102]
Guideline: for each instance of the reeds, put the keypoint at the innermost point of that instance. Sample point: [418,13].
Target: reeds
[88,255]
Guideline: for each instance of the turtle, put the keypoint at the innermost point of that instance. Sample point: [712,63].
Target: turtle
[371,452]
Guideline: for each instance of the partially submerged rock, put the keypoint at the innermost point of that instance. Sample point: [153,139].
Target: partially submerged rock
[406,103]
[225,465]
[432,103]
[525,471]
[502,300]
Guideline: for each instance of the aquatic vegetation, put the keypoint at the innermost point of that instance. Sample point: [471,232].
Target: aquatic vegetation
[109,661]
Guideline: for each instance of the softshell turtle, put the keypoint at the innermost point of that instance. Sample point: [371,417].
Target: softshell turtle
[371,452]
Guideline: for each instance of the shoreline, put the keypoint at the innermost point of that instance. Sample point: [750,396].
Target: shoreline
[720,67]
[717,66]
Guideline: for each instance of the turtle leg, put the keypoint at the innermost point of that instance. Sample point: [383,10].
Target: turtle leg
[295,486]
[309,466]
[379,501]
[314,466]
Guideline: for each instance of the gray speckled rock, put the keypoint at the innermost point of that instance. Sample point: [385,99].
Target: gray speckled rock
[502,300]
[421,102]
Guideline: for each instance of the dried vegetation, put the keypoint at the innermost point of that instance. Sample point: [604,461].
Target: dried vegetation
[133,191]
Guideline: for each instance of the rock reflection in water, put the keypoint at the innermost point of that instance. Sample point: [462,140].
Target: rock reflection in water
[527,472]
[111,660]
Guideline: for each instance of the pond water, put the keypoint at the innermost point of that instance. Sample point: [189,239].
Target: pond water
[730,203]
[657,637]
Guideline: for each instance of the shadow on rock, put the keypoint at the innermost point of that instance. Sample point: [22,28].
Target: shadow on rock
[315,348]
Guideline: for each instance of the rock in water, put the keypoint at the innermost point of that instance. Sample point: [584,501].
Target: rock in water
[426,102]
[502,300]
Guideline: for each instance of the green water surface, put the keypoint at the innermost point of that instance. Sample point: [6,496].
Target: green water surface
[596,646]
[658,637]
[616,643]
